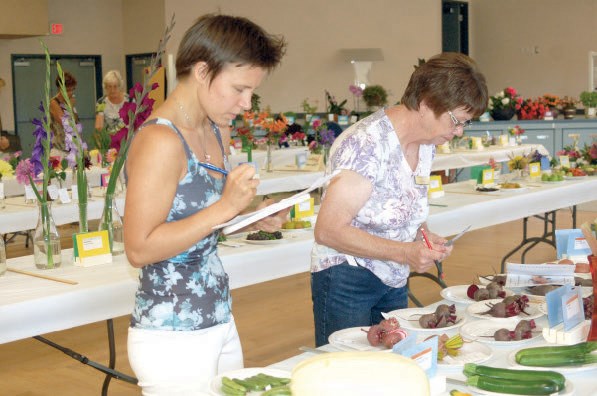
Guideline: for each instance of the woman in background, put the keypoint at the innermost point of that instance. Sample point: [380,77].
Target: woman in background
[182,330]
[370,228]
[58,111]
[108,106]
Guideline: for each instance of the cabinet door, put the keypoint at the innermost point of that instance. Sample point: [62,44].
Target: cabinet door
[586,136]
[544,137]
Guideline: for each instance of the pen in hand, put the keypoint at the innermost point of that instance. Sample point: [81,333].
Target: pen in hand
[438,264]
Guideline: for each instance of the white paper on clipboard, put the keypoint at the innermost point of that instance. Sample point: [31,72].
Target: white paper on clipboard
[244,220]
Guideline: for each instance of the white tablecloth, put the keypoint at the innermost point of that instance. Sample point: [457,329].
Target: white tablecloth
[583,381]
[30,306]
[466,158]
[19,216]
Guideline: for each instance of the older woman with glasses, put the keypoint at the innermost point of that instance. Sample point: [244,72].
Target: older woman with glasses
[370,228]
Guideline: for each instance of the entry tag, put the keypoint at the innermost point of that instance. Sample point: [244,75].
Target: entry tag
[535,169]
[29,194]
[91,248]
[564,161]
[423,180]
[63,195]
[53,192]
[504,140]
[488,178]
[572,308]
[304,209]
[436,188]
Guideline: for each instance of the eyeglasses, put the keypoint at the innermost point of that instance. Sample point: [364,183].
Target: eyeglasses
[457,123]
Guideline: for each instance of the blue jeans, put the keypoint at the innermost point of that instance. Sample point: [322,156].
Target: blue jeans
[345,296]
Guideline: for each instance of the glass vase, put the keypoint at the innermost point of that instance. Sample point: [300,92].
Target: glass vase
[2,257]
[46,240]
[112,222]
[269,167]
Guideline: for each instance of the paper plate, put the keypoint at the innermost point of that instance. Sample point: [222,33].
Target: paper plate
[216,382]
[471,352]
[458,294]
[483,330]
[409,319]
[354,339]
[476,308]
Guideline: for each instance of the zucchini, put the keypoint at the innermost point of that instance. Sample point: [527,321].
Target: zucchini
[471,369]
[555,360]
[499,385]
[232,384]
[283,390]
[576,349]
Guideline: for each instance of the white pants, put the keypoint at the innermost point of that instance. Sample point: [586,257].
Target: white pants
[183,363]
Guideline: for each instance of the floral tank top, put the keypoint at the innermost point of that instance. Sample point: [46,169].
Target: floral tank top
[189,291]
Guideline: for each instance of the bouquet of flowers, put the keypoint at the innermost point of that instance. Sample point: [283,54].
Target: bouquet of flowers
[506,101]
[550,100]
[515,131]
[518,162]
[532,109]
[589,153]
[572,152]
[5,169]
[323,139]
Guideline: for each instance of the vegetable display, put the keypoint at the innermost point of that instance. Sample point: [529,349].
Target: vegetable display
[515,382]
[491,291]
[444,316]
[269,385]
[386,333]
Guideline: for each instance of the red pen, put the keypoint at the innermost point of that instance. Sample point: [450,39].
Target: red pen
[438,264]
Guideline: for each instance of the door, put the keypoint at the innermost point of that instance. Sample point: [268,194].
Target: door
[28,91]
[135,66]
[455,27]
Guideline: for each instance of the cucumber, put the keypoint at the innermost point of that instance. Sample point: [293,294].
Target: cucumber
[228,391]
[555,360]
[576,349]
[471,369]
[520,387]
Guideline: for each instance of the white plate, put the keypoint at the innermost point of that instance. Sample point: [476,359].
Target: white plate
[458,294]
[575,177]
[354,339]
[514,190]
[481,306]
[511,360]
[567,391]
[471,352]
[478,329]
[296,230]
[216,382]
[409,319]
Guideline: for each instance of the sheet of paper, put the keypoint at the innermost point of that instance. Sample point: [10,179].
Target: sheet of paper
[244,220]
[524,275]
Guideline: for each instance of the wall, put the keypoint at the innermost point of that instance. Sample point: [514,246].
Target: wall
[23,18]
[91,27]
[144,23]
[316,31]
[535,46]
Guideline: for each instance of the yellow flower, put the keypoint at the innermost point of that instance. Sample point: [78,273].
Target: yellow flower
[518,162]
[5,169]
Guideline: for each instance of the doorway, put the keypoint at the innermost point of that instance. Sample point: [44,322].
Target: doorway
[28,74]
[135,66]
[455,26]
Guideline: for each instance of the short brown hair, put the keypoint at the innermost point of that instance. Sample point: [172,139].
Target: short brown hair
[69,80]
[220,39]
[445,82]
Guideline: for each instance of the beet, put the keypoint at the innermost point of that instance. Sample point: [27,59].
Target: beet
[428,321]
[470,292]
[502,335]
[374,335]
[481,294]
[497,310]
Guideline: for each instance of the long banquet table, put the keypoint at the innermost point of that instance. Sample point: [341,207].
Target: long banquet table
[33,306]
[582,379]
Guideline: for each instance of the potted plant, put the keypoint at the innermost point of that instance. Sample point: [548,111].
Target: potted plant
[568,107]
[334,107]
[375,96]
[504,104]
[308,109]
[589,101]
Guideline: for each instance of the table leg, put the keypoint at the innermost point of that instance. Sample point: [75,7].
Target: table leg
[427,275]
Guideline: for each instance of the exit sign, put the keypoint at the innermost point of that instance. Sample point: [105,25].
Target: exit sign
[56,28]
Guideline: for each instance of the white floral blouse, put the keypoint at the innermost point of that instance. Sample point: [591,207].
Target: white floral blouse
[398,204]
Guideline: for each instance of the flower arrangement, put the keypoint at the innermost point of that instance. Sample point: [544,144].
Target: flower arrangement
[589,154]
[307,107]
[333,106]
[568,102]
[532,109]
[515,131]
[323,139]
[76,147]
[507,99]
[357,93]
[551,100]
[133,114]
[5,169]
[518,162]
[572,152]
[375,95]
